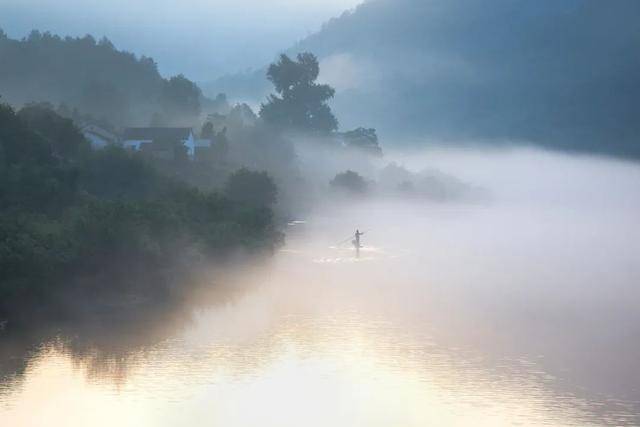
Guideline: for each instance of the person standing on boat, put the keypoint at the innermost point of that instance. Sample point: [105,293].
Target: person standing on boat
[356,242]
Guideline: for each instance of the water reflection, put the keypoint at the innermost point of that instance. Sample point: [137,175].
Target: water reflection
[453,315]
[338,369]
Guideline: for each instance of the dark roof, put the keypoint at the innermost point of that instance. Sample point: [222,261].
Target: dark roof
[152,134]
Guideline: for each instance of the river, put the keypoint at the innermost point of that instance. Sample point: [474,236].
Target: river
[523,309]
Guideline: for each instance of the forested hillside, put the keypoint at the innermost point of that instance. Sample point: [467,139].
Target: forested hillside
[94,78]
[556,74]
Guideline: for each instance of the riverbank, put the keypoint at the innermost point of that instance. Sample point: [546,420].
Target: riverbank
[91,227]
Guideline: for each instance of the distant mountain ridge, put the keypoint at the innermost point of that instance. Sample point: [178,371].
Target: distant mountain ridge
[561,74]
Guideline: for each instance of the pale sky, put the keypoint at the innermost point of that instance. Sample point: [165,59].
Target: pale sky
[201,38]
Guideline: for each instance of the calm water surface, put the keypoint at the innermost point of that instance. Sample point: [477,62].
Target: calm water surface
[491,314]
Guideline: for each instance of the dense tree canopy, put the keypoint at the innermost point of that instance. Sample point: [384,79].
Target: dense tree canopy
[252,188]
[94,77]
[301,103]
[65,139]
[180,99]
[350,182]
[66,209]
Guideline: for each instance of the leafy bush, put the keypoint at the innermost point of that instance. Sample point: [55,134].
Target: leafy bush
[351,182]
[363,139]
[255,189]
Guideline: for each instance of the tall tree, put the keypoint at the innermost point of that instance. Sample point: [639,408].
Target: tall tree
[207,131]
[301,103]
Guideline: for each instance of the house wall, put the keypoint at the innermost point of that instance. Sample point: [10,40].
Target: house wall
[137,145]
[190,143]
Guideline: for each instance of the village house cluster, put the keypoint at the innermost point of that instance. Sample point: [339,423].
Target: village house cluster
[158,142]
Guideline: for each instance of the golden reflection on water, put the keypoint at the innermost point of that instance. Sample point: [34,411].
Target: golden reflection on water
[337,370]
[326,339]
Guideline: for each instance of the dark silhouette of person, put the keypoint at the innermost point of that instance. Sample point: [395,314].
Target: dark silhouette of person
[356,242]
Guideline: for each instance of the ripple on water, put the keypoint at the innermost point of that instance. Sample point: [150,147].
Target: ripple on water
[334,368]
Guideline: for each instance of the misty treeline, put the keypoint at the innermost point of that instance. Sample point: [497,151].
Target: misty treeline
[93,78]
[93,83]
[68,211]
[557,74]
[396,181]
[295,119]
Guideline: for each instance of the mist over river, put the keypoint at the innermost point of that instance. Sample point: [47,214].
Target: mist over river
[522,308]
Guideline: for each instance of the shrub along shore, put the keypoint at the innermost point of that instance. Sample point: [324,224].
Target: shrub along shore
[74,220]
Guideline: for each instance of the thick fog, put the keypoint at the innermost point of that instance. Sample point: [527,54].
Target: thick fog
[520,306]
[534,251]
[545,262]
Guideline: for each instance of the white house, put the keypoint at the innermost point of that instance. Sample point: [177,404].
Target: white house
[197,145]
[136,138]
